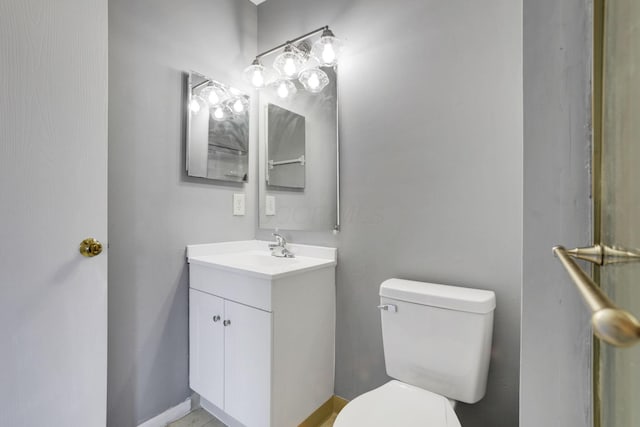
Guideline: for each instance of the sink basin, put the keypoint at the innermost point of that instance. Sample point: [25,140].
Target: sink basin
[253,258]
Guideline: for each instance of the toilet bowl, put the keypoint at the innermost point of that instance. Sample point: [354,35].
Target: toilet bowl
[397,404]
[437,342]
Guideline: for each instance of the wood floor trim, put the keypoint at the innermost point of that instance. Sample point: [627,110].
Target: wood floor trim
[332,406]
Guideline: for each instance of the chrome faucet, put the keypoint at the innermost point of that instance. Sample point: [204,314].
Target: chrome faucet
[279,248]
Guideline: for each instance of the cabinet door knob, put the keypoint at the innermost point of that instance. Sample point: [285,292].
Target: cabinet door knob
[216,318]
[226,322]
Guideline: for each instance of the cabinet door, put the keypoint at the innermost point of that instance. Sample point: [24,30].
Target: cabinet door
[206,346]
[248,364]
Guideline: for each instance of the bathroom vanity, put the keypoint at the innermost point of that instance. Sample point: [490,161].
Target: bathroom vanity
[261,331]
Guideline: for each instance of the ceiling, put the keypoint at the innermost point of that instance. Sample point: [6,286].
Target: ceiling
[257,1]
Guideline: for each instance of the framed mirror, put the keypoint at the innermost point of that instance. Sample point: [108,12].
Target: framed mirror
[298,158]
[217,130]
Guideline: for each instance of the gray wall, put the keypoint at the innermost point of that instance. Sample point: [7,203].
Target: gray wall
[154,209]
[431,149]
[555,381]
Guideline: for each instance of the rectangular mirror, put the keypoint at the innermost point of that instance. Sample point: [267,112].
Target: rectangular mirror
[298,158]
[217,130]
[285,147]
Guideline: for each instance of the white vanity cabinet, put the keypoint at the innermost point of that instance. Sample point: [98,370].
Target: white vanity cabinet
[261,332]
[230,356]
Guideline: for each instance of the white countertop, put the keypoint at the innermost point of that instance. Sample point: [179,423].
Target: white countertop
[253,258]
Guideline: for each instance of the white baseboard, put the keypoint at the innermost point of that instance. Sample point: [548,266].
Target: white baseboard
[169,415]
[219,413]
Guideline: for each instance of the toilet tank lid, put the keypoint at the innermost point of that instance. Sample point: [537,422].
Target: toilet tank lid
[442,296]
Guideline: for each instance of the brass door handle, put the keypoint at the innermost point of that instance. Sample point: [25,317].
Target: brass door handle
[610,323]
[604,255]
[90,247]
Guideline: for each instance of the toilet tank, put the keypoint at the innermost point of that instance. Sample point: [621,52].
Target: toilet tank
[438,337]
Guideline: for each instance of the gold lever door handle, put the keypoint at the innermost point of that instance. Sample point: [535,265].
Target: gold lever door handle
[610,323]
[604,255]
[90,247]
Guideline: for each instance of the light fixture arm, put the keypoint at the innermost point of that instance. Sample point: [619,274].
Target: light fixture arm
[291,42]
[199,85]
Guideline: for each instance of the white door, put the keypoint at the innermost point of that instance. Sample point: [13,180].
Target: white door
[53,180]
[247,369]
[206,346]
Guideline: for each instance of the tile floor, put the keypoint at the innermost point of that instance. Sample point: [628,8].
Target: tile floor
[197,418]
[201,418]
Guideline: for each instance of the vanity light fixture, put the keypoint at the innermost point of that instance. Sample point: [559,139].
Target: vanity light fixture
[299,61]
[220,101]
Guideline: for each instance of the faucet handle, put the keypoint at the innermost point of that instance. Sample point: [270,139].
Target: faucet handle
[280,240]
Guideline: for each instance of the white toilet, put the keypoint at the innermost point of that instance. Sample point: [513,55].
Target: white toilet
[437,344]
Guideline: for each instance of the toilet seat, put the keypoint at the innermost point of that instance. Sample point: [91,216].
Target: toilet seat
[398,404]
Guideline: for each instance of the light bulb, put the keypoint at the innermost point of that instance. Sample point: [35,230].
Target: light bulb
[313,81]
[257,80]
[194,106]
[255,74]
[327,49]
[289,67]
[238,107]
[214,94]
[213,98]
[328,54]
[289,63]
[218,113]
[285,88]
[283,91]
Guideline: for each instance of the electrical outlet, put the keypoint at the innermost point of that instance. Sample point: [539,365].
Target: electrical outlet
[270,205]
[238,204]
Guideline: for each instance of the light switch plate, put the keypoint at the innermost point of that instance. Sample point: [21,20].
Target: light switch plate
[270,205]
[238,204]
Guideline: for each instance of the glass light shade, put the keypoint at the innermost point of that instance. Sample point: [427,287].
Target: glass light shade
[238,105]
[220,112]
[214,94]
[289,63]
[255,75]
[328,49]
[196,104]
[314,80]
[285,88]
